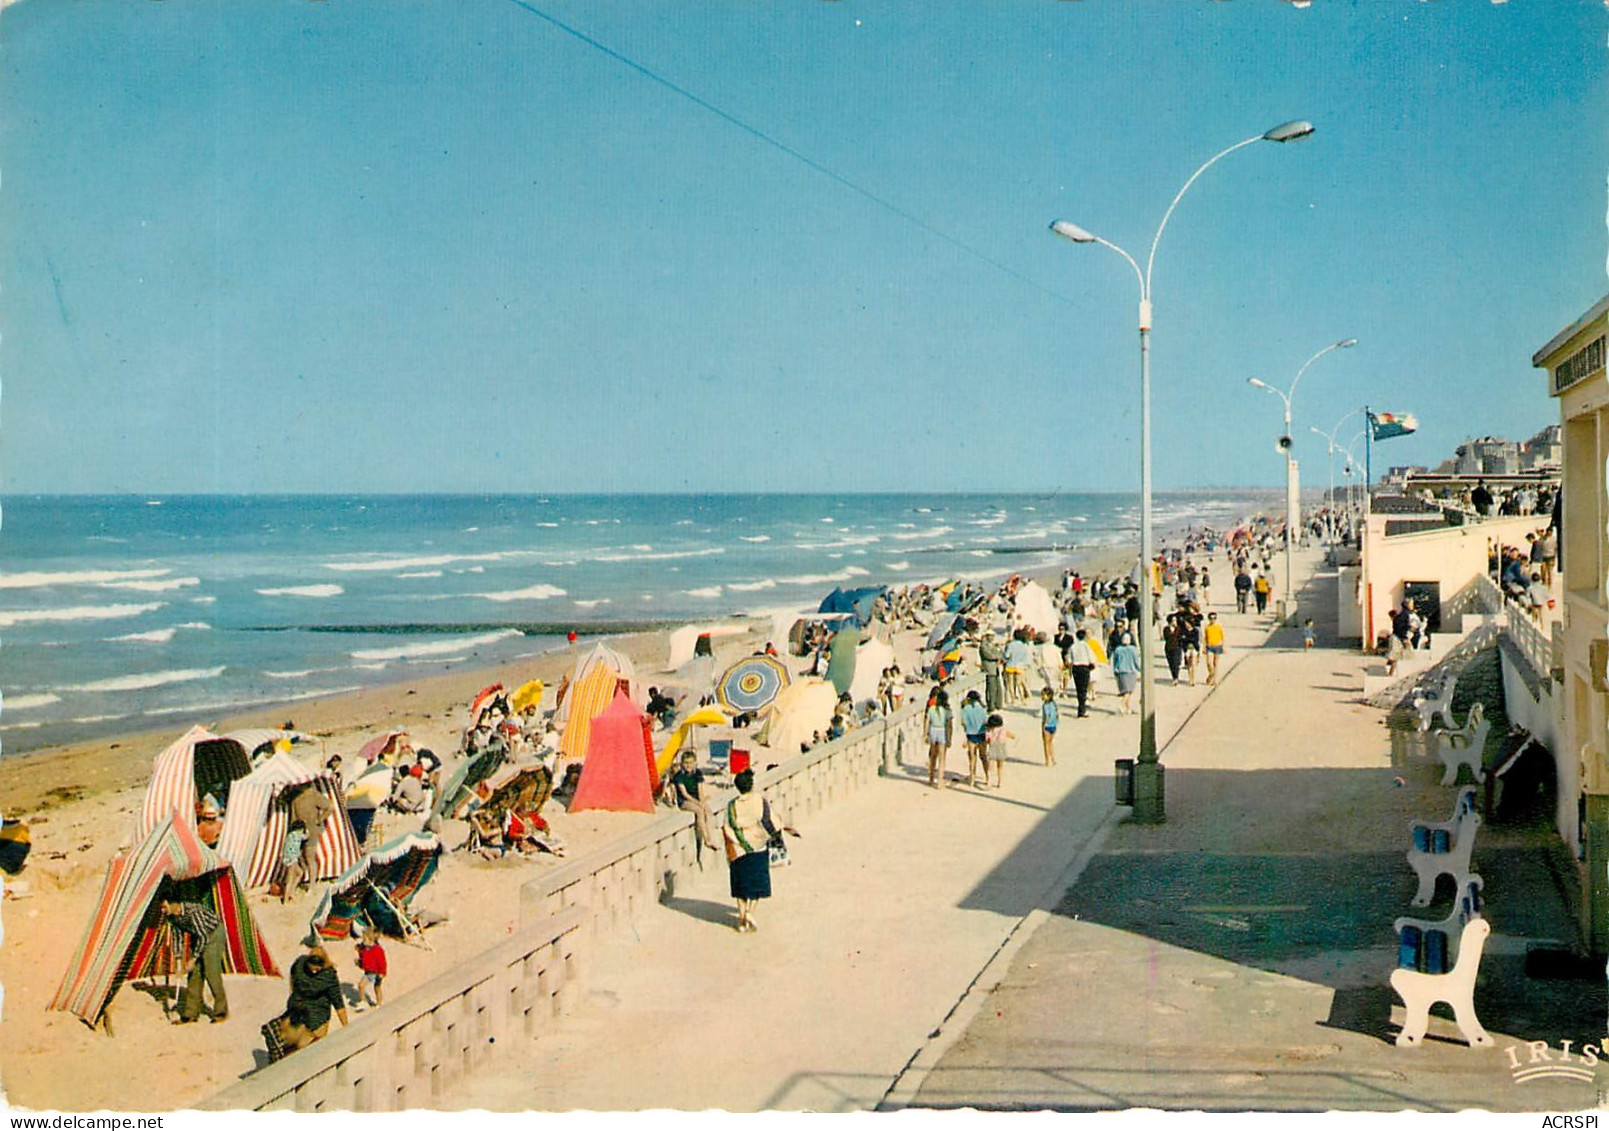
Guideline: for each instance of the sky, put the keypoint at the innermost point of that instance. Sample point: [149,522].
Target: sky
[516,246]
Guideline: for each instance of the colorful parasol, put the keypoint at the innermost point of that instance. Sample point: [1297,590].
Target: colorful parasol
[751,684]
[373,748]
[482,699]
[528,695]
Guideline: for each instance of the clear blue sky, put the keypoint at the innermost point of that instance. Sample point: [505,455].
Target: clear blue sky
[356,245]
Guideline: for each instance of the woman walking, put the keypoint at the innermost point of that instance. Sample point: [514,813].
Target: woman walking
[748,830]
[1126,667]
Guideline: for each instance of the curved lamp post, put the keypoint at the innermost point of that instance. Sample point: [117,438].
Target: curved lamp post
[1292,512]
[1330,448]
[1148,801]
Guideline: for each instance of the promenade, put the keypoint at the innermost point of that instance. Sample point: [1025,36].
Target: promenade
[1236,958]
[1029,948]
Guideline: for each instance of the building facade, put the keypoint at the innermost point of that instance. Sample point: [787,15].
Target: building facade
[1574,361]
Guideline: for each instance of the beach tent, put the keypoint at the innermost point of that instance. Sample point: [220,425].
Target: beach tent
[703,717]
[804,707]
[199,764]
[684,639]
[254,828]
[841,652]
[620,773]
[871,658]
[597,678]
[127,938]
[1036,610]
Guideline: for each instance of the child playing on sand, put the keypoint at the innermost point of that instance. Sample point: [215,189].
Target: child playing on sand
[995,736]
[371,960]
[1048,718]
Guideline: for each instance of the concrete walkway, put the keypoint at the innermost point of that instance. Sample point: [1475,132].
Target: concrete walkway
[1236,958]
[899,898]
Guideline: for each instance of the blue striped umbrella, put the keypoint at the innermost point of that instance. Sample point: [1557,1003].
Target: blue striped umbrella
[750,685]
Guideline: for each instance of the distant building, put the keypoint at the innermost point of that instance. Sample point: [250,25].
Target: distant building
[1489,455]
[1543,451]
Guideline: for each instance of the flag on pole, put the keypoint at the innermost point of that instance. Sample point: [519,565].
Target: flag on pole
[1389,424]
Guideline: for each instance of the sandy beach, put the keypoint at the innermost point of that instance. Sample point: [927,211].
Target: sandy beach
[81,802]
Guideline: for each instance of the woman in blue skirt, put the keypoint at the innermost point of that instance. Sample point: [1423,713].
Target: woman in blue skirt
[748,830]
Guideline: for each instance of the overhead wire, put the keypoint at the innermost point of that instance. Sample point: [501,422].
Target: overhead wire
[783,147]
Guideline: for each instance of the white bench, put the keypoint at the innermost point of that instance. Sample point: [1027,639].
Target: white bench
[1465,746]
[1420,991]
[1465,908]
[1436,700]
[1431,865]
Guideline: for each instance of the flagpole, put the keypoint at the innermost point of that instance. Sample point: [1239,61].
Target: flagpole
[1368,455]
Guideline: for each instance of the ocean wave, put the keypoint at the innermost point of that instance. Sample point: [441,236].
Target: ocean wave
[421,573]
[823,578]
[303,591]
[155,636]
[438,648]
[148,680]
[77,612]
[163,585]
[383,564]
[752,586]
[77,577]
[437,660]
[26,702]
[195,625]
[530,593]
[665,556]
[932,532]
[203,600]
[593,603]
[218,706]
[754,538]
[709,592]
[898,567]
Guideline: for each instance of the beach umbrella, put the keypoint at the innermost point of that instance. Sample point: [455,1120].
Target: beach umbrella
[467,776]
[371,749]
[751,684]
[482,700]
[378,888]
[528,695]
[941,629]
[841,651]
[703,717]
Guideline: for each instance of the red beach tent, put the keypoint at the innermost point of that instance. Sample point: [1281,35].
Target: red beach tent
[619,774]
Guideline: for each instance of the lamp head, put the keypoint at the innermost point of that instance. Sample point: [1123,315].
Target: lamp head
[1289,131]
[1346,343]
[1068,230]
[1256,383]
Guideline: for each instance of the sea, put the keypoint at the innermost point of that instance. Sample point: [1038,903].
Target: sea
[124,613]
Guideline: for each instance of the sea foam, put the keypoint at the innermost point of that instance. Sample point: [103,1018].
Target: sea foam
[147,680]
[436,648]
[303,591]
[77,612]
[24,702]
[77,577]
[530,593]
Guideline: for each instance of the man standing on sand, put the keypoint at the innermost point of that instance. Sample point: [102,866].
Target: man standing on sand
[205,968]
[1082,660]
[1213,638]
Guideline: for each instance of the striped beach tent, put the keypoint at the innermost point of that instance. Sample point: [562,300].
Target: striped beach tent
[198,764]
[126,938]
[592,689]
[258,818]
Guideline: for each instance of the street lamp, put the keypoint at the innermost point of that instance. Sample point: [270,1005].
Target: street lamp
[1148,800]
[1292,511]
[1331,446]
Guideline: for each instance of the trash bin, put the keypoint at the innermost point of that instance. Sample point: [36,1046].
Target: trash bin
[1124,777]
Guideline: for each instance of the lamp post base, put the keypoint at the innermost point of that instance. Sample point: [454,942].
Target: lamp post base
[1149,802]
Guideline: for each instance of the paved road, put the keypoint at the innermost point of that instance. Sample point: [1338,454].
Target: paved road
[898,898]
